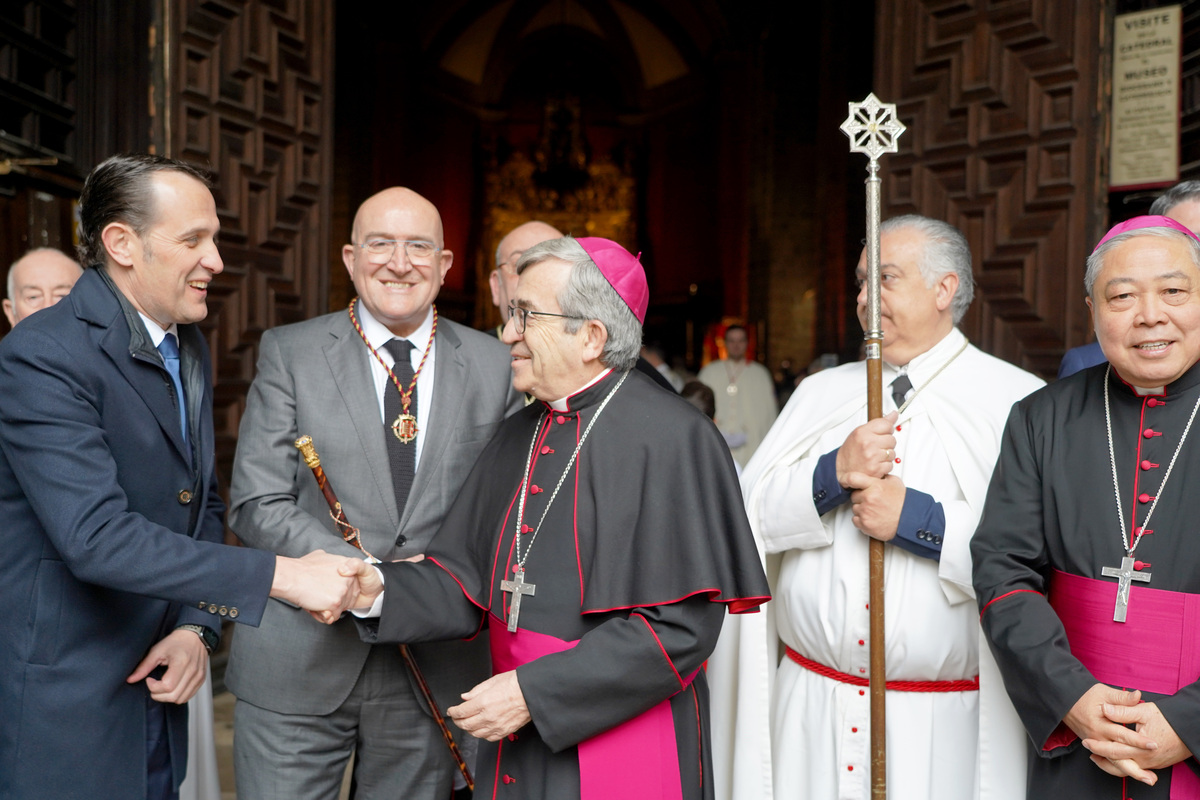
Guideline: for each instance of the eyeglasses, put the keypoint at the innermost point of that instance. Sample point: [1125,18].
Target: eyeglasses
[380,251]
[520,315]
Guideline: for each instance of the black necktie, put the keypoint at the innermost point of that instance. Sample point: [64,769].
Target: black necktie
[401,456]
[900,389]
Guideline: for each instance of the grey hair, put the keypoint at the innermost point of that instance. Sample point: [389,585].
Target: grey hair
[1095,261]
[498,246]
[12,270]
[945,251]
[588,295]
[1179,193]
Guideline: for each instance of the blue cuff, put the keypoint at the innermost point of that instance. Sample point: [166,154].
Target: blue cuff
[828,494]
[922,525]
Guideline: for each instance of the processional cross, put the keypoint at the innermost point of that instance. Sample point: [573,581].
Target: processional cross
[516,587]
[874,130]
[1125,575]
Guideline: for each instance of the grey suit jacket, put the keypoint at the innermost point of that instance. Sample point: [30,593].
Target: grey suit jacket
[314,378]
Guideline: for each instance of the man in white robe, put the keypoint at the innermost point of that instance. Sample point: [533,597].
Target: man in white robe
[745,394]
[916,479]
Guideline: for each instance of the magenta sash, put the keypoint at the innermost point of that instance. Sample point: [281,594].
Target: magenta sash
[636,760]
[1157,648]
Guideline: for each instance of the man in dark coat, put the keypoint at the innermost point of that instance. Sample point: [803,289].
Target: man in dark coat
[114,583]
[1086,567]
[600,538]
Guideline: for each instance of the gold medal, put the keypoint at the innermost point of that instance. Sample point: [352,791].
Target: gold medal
[405,428]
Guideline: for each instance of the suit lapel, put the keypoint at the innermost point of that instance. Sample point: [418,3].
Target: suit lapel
[449,390]
[150,380]
[347,359]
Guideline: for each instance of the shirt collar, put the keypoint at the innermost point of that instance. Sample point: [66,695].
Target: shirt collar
[932,359]
[563,404]
[157,334]
[378,334]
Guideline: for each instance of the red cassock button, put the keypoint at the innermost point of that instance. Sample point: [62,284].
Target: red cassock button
[546,449]
[561,419]
[534,489]
[861,692]
[1147,433]
[509,779]
[1152,402]
[1147,465]
[854,730]
[526,528]
[1143,498]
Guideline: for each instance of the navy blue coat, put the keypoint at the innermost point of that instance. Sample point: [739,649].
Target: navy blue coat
[109,531]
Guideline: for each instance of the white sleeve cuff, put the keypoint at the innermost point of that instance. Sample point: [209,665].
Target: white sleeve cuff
[376,608]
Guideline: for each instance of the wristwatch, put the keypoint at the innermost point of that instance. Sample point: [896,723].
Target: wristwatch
[207,635]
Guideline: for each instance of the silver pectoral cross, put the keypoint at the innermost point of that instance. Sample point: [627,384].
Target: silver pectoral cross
[1124,574]
[516,587]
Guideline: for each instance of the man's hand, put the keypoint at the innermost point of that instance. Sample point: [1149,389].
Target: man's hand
[183,654]
[316,583]
[868,450]
[493,709]
[1091,722]
[877,505]
[1121,759]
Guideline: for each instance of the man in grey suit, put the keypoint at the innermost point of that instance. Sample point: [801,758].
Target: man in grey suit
[399,404]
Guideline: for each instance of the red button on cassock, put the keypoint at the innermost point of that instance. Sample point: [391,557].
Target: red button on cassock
[1144,498]
[546,449]
[1148,465]
[561,419]
[1152,402]
[1148,433]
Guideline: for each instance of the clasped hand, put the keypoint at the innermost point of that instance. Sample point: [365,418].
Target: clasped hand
[324,584]
[1100,718]
[864,465]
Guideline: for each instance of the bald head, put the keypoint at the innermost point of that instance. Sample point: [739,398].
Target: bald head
[37,280]
[504,278]
[396,200]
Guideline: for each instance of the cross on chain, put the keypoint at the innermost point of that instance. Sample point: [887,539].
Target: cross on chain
[516,587]
[1124,574]
[873,127]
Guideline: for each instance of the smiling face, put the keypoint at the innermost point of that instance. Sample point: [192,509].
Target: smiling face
[399,292]
[1146,309]
[548,362]
[914,317]
[166,271]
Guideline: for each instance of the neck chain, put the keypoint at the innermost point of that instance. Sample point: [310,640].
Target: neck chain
[521,559]
[917,391]
[1113,460]
[405,425]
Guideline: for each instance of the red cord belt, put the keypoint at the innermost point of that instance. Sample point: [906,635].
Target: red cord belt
[971,685]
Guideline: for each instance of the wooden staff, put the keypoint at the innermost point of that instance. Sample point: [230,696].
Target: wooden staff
[873,129]
[305,445]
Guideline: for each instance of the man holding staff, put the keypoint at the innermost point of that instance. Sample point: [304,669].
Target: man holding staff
[823,483]
[399,404]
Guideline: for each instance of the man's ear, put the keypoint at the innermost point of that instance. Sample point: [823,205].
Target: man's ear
[120,242]
[947,286]
[595,336]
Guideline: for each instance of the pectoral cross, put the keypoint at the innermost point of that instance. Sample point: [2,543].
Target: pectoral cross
[516,587]
[1124,575]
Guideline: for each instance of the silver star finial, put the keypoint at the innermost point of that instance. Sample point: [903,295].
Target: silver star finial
[873,127]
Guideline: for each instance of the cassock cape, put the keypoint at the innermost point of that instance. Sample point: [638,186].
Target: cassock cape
[644,546]
[1051,506]
[966,404]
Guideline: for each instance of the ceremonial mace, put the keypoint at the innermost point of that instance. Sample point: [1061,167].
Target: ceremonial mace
[350,533]
[874,129]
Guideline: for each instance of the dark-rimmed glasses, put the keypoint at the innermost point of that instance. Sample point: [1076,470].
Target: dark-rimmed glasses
[519,315]
[380,251]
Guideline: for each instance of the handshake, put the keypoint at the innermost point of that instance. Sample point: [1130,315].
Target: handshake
[326,585]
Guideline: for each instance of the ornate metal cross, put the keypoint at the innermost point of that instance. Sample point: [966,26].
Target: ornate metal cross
[873,127]
[517,586]
[1124,575]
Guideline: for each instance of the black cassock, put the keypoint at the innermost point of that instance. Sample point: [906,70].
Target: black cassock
[642,549]
[1051,506]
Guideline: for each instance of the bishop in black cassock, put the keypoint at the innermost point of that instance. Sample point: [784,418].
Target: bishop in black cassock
[617,504]
[1056,533]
